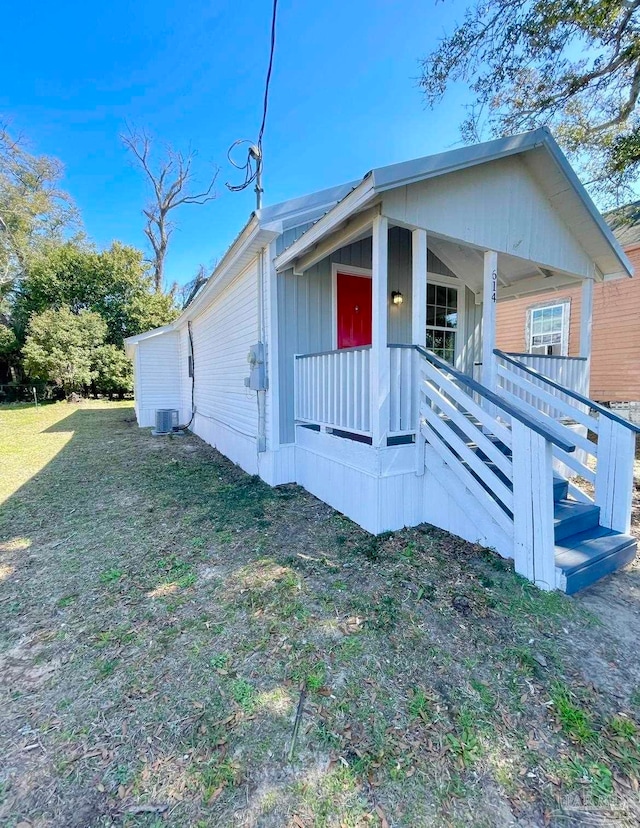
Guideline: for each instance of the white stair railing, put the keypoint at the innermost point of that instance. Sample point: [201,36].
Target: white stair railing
[504,460]
[570,372]
[606,445]
[403,391]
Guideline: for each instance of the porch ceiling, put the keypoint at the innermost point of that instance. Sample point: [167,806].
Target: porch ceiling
[516,276]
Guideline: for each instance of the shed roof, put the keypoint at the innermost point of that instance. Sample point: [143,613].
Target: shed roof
[625,223]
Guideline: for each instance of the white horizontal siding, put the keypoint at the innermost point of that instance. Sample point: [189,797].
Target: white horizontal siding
[222,336]
[185,379]
[158,376]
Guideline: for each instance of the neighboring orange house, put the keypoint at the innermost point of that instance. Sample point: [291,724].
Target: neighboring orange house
[550,322]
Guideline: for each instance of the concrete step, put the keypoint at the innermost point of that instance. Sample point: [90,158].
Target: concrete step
[571,517]
[587,556]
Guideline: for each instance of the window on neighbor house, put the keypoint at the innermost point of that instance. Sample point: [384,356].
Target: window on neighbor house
[442,321]
[549,330]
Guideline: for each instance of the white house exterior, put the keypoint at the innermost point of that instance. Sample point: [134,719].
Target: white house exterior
[369,311]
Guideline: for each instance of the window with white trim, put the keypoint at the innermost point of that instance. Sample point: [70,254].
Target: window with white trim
[549,330]
[442,320]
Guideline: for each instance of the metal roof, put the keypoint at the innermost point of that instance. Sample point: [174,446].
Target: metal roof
[311,203]
[625,223]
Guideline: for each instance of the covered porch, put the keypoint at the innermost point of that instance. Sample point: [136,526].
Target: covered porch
[399,406]
[424,290]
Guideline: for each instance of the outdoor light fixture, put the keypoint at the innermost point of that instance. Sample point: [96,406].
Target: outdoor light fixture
[396,297]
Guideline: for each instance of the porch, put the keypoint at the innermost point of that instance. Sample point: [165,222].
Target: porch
[423,419]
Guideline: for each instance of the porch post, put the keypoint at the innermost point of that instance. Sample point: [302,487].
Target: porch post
[586,317]
[418,287]
[489,298]
[380,366]
[418,331]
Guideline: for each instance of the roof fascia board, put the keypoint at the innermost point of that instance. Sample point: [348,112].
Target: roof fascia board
[136,338]
[355,200]
[386,179]
[243,240]
[341,238]
[321,200]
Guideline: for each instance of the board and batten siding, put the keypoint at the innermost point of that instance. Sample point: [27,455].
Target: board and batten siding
[498,206]
[305,308]
[157,376]
[222,336]
[615,345]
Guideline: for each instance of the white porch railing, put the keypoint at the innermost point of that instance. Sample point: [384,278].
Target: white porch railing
[570,372]
[607,447]
[332,390]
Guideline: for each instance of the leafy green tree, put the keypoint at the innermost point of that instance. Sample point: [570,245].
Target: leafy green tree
[7,339]
[573,66]
[62,347]
[114,283]
[114,374]
[33,207]
[8,351]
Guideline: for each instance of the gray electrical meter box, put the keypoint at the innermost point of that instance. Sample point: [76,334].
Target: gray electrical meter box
[257,379]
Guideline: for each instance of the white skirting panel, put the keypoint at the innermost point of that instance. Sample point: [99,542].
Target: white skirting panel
[383,493]
[278,467]
[274,467]
[238,447]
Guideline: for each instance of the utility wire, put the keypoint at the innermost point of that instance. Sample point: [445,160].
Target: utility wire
[253,164]
[269,70]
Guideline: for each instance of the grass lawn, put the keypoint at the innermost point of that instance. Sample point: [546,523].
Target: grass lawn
[164,618]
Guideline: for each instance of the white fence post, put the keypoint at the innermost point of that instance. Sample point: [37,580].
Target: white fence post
[533,507]
[614,474]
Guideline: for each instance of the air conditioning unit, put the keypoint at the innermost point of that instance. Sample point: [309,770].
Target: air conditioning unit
[166,420]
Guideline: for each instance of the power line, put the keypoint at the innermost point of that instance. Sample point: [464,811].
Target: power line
[253,165]
[269,70]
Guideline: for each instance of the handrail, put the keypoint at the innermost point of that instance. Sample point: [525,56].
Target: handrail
[544,356]
[337,351]
[496,400]
[569,392]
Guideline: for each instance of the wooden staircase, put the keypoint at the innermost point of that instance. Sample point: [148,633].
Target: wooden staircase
[584,551]
[505,456]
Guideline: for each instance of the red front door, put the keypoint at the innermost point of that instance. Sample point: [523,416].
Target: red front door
[354,310]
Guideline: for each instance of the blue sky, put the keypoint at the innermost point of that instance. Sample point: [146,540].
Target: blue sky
[344,99]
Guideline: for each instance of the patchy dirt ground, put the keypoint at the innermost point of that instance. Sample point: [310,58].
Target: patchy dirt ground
[181,645]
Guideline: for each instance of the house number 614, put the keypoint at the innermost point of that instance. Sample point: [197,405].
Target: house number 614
[494,286]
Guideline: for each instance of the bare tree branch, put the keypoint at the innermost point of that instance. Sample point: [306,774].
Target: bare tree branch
[170,184]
